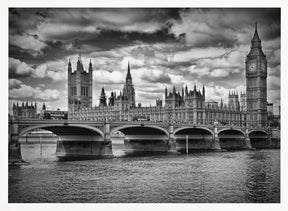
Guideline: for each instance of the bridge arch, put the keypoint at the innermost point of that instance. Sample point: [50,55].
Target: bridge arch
[139,128]
[143,139]
[199,138]
[232,138]
[232,129]
[260,131]
[65,129]
[258,139]
[75,141]
[187,127]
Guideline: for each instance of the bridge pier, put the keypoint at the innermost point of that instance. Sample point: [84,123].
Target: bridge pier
[171,141]
[106,146]
[84,145]
[216,140]
[247,140]
[14,147]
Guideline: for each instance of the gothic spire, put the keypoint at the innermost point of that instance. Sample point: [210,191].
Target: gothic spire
[256,36]
[69,66]
[166,92]
[203,90]
[128,76]
[186,90]
[90,66]
[256,42]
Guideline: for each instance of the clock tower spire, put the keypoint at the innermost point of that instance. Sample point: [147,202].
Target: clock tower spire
[256,83]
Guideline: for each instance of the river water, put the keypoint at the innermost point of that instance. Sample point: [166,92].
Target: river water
[219,177]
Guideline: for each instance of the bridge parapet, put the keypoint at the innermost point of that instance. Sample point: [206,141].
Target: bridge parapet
[18,127]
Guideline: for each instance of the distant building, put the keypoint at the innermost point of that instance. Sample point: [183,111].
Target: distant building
[25,111]
[233,101]
[269,110]
[243,101]
[50,114]
[189,106]
[273,119]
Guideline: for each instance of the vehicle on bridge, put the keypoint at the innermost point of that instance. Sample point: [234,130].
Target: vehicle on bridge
[141,118]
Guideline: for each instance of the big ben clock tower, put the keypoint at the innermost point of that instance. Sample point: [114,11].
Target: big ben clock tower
[256,83]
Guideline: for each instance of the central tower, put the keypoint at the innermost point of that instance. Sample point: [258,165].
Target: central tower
[128,90]
[79,88]
[256,83]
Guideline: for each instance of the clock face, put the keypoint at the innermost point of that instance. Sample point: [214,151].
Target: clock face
[252,67]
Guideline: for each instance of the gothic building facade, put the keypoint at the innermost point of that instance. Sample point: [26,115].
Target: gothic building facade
[79,87]
[25,111]
[189,106]
[256,83]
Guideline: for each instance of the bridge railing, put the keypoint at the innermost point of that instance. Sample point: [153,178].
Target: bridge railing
[51,121]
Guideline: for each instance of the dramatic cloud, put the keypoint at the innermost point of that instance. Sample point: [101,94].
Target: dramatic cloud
[165,47]
[153,75]
[105,77]
[28,42]
[14,83]
[21,69]
[197,53]
[221,27]
[18,68]
[85,23]
[273,83]
[26,92]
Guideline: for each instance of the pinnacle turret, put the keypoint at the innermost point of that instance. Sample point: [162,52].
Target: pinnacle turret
[186,90]
[203,90]
[90,66]
[166,91]
[103,101]
[69,66]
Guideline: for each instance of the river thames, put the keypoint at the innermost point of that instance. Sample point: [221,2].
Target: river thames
[251,176]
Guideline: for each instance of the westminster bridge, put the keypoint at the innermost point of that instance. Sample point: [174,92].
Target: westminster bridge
[74,136]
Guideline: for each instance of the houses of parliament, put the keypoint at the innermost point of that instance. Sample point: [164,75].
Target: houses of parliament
[184,106]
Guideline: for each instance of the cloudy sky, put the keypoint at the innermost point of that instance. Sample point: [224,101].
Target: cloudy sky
[165,47]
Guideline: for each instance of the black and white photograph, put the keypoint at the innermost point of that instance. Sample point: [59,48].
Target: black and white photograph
[141,105]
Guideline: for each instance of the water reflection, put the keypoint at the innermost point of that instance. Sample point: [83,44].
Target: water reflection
[219,177]
[262,177]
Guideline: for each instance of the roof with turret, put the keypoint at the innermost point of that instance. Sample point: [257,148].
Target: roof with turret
[256,49]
